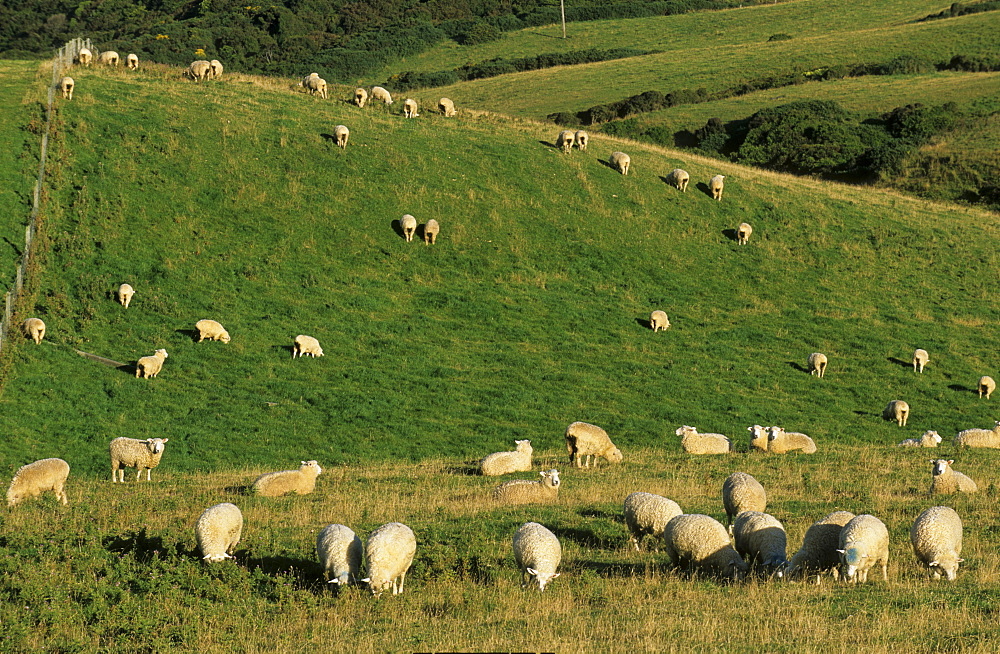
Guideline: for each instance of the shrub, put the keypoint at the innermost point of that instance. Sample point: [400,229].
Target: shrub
[480,32]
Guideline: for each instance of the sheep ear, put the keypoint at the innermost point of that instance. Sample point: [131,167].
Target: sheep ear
[841,551]
[555,575]
[303,463]
[960,561]
[165,440]
[532,571]
[950,461]
[933,563]
[366,581]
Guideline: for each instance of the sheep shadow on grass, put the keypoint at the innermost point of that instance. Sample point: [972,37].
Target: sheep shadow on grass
[289,349]
[193,334]
[621,570]
[329,138]
[607,162]
[963,389]
[703,187]
[731,234]
[550,144]
[239,489]
[470,469]
[603,515]
[585,537]
[309,574]
[899,362]
[643,322]
[397,226]
[143,547]
[797,366]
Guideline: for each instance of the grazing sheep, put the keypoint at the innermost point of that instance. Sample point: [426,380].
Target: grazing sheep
[537,553]
[446,107]
[758,438]
[301,481]
[389,552]
[211,330]
[108,58]
[927,439]
[697,541]
[743,233]
[986,386]
[132,61]
[410,108]
[658,320]
[125,293]
[431,230]
[715,185]
[897,410]
[818,553]
[503,463]
[920,359]
[679,179]
[340,135]
[741,492]
[780,441]
[66,86]
[133,453]
[199,70]
[215,69]
[582,138]
[339,551]
[694,443]
[817,364]
[565,140]
[762,542]
[409,226]
[863,544]
[620,162]
[979,437]
[34,329]
[944,480]
[316,86]
[150,366]
[936,536]
[85,57]
[306,345]
[360,97]
[646,513]
[526,491]
[35,478]
[218,531]
[584,441]
[379,93]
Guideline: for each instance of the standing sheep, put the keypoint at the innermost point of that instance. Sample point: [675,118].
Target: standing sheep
[389,552]
[698,541]
[944,480]
[65,87]
[379,93]
[446,107]
[620,162]
[431,231]
[301,481]
[863,544]
[316,86]
[819,547]
[218,531]
[503,463]
[199,70]
[715,185]
[920,359]
[582,138]
[565,140]
[339,551]
[132,61]
[306,345]
[979,437]
[741,492]
[584,441]
[360,97]
[340,135]
[927,439]
[150,366]
[658,320]
[694,443]
[85,57]
[215,69]
[409,226]
[526,491]
[936,536]
[780,441]
[108,58]
[743,233]
[817,364]
[133,453]
[125,293]
[35,478]
[986,386]
[897,410]
[761,540]
[537,553]
[34,329]
[646,513]
[211,330]
[758,438]
[410,108]
[679,179]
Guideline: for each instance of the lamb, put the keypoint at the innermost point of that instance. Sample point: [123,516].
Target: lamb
[694,443]
[360,97]
[920,359]
[817,364]
[34,329]
[65,87]
[133,453]
[503,463]
[936,536]
[927,439]
[108,58]
[986,386]
[715,185]
[389,552]
[340,135]
[125,293]
[379,93]
[565,140]
[199,70]
[339,551]
[218,531]
[446,107]
[301,481]
[582,138]
[537,553]
[658,320]
[306,345]
[431,231]
[132,61]
[211,330]
[679,179]
[979,437]
[85,57]
[620,162]
[584,441]
[758,438]
[863,544]
[526,491]
[215,69]
[819,547]
[780,441]
[316,86]
[35,478]
[150,366]
[646,513]
[698,541]
[743,233]
[897,410]
[762,542]
[741,492]
[410,108]
[409,226]
[944,480]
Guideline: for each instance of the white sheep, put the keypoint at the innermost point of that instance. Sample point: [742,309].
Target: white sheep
[761,540]
[694,443]
[85,57]
[758,438]
[581,139]
[620,162]
[679,178]
[526,491]
[927,439]
[389,552]
[697,541]
[944,480]
[780,441]
[132,61]
[565,140]
[986,386]
[360,97]
[316,86]
[211,330]
[817,364]
[646,513]
[658,320]
[897,410]
[306,345]
[301,481]
[410,108]
[199,70]
[936,536]
[979,437]
[537,552]
[920,359]
[715,185]
[431,231]
[133,453]
[743,233]
[108,58]
[741,492]
[379,93]
[124,294]
[339,551]
[819,547]
[218,531]
[585,441]
[215,69]
[503,463]
[863,544]
[409,226]
[35,478]
[340,135]
[446,107]
[150,366]
[65,87]
[34,329]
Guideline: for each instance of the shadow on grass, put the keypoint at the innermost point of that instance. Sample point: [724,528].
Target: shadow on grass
[329,138]
[644,322]
[309,574]
[289,349]
[703,187]
[797,366]
[963,389]
[143,547]
[397,226]
[900,362]
[730,234]
[239,489]
[621,570]
[465,469]
[586,537]
[193,334]
[128,368]
[607,162]
[604,515]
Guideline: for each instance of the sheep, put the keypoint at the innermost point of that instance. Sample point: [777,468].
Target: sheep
[34,329]
[658,320]
[431,231]
[761,540]
[819,547]
[817,364]
[584,441]
[360,97]
[85,57]
[133,453]
[316,86]
[986,386]
[979,437]
[503,463]
[694,443]
[379,93]
[389,552]
[715,185]
[340,135]
[301,481]
[35,478]
[150,366]
[410,108]
[863,544]
[211,330]
[699,541]
[758,438]
[741,492]
[527,491]
[125,293]
[446,107]
[108,58]
[743,233]
[199,70]
[927,439]
[409,226]
[646,513]
[620,162]
[897,410]
[339,551]
[920,359]
[305,80]
[537,553]
[218,531]
[780,441]
[215,69]
[581,139]
[679,179]
[306,345]
[132,61]
[565,140]
[936,536]
[65,87]
[944,480]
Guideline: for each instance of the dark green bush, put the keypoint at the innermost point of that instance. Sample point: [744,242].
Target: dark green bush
[480,32]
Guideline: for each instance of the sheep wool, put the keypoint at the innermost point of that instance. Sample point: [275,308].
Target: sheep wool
[306,346]
[132,453]
[979,437]
[780,441]
[694,443]
[565,140]
[199,70]
[150,366]
[211,330]
[743,233]
[34,329]
[340,135]
[389,552]
[679,178]
[35,478]
[379,93]
[920,359]
[125,293]
[537,552]
[360,97]
[944,480]
[818,553]
[528,491]
[863,544]
[936,536]
[741,492]
[301,481]
[927,439]
[316,86]
[699,542]
[582,138]
[409,226]
[620,162]
[431,231]
[758,438]
[339,551]
[897,411]
[218,531]
[502,463]
[410,108]
[85,57]
[715,186]
[986,386]
[215,69]
[446,107]
[817,364]
[585,441]
[648,514]
[108,58]
[761,540]
[65,87]
[132,61]
[658,321]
